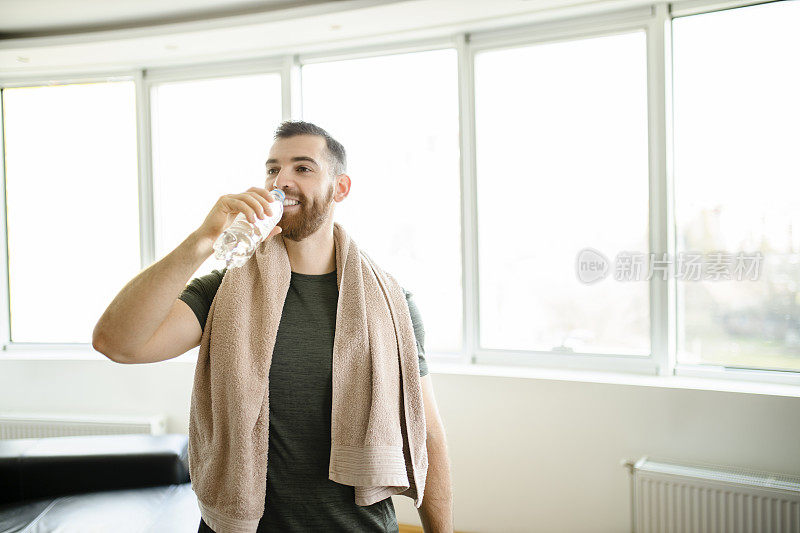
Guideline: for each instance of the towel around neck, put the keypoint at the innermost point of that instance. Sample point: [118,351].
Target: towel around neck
[377,420]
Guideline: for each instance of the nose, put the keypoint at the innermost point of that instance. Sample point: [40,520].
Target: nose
[278,181]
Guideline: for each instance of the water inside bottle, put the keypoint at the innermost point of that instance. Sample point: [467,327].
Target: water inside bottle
[232,248]
[238,242]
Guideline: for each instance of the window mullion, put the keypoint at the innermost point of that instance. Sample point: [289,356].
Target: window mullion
[147,244]
[662,324]
[469,201]
[291,89]
[5,313]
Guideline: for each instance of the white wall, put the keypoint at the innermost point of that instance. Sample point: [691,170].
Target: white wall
[527,454]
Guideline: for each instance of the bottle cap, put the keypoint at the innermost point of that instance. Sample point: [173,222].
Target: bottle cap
[280,194]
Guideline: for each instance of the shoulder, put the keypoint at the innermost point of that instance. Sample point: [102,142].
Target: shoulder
[409,295]
[412,308]
[419,331]
[200,292]
[208,283]
[214,275]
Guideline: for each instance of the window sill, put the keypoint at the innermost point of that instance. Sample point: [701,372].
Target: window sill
[70,352]
[436,365]
[615,378]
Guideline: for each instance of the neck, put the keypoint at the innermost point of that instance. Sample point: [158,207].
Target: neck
[316,254]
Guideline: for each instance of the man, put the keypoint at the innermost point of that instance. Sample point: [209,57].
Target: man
[309,166]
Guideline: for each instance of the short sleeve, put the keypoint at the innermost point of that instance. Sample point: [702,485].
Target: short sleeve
[200,292]
[419,332]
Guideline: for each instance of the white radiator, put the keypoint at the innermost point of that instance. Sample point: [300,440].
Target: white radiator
[23,426]
[697,499]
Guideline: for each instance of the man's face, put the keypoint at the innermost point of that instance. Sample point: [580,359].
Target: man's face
[299,167]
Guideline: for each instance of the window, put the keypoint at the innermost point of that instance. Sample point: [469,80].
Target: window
[397,117]
[737,182]
[72,205]
[566,146]
[210,137]
[562,164]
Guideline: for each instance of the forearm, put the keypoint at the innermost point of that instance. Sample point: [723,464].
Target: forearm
[142,305]
[436,511]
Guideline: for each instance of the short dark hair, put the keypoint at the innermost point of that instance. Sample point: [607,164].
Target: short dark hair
[336,155]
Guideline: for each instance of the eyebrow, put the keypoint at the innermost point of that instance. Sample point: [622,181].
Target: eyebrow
[297,158]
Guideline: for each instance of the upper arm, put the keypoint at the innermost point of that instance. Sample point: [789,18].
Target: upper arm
[433,421]
[179,333]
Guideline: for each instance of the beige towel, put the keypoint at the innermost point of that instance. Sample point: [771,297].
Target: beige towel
[377,421]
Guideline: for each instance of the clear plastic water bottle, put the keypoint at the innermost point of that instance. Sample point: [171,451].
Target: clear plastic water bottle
[238,242]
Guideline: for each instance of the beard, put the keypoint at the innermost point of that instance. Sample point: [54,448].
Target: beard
[307,218]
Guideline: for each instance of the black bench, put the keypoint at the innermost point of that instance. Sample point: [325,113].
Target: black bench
[115,483]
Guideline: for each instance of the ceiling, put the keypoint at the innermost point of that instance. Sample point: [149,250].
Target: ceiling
[36,18]
[61,38]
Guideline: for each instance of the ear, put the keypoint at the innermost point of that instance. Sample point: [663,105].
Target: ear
[341,187]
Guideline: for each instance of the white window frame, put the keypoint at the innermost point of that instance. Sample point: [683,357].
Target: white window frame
[404,47]
[705,370]
[639,19]
[52,350]
[151,78]
[654,19]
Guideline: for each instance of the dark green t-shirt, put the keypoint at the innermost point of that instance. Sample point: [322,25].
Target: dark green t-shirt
[300,497]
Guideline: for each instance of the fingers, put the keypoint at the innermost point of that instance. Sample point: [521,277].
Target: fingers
[264,197]
[246,205]
[256,203]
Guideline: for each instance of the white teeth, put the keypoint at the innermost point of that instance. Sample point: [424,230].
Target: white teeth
[291,202]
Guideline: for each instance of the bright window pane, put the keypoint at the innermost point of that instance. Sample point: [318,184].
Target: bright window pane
[210,137]
[73,205]
[737,180]
[561,132]
[397,117]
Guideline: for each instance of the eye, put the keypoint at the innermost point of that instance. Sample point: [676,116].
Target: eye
[269,171]
[308,169]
